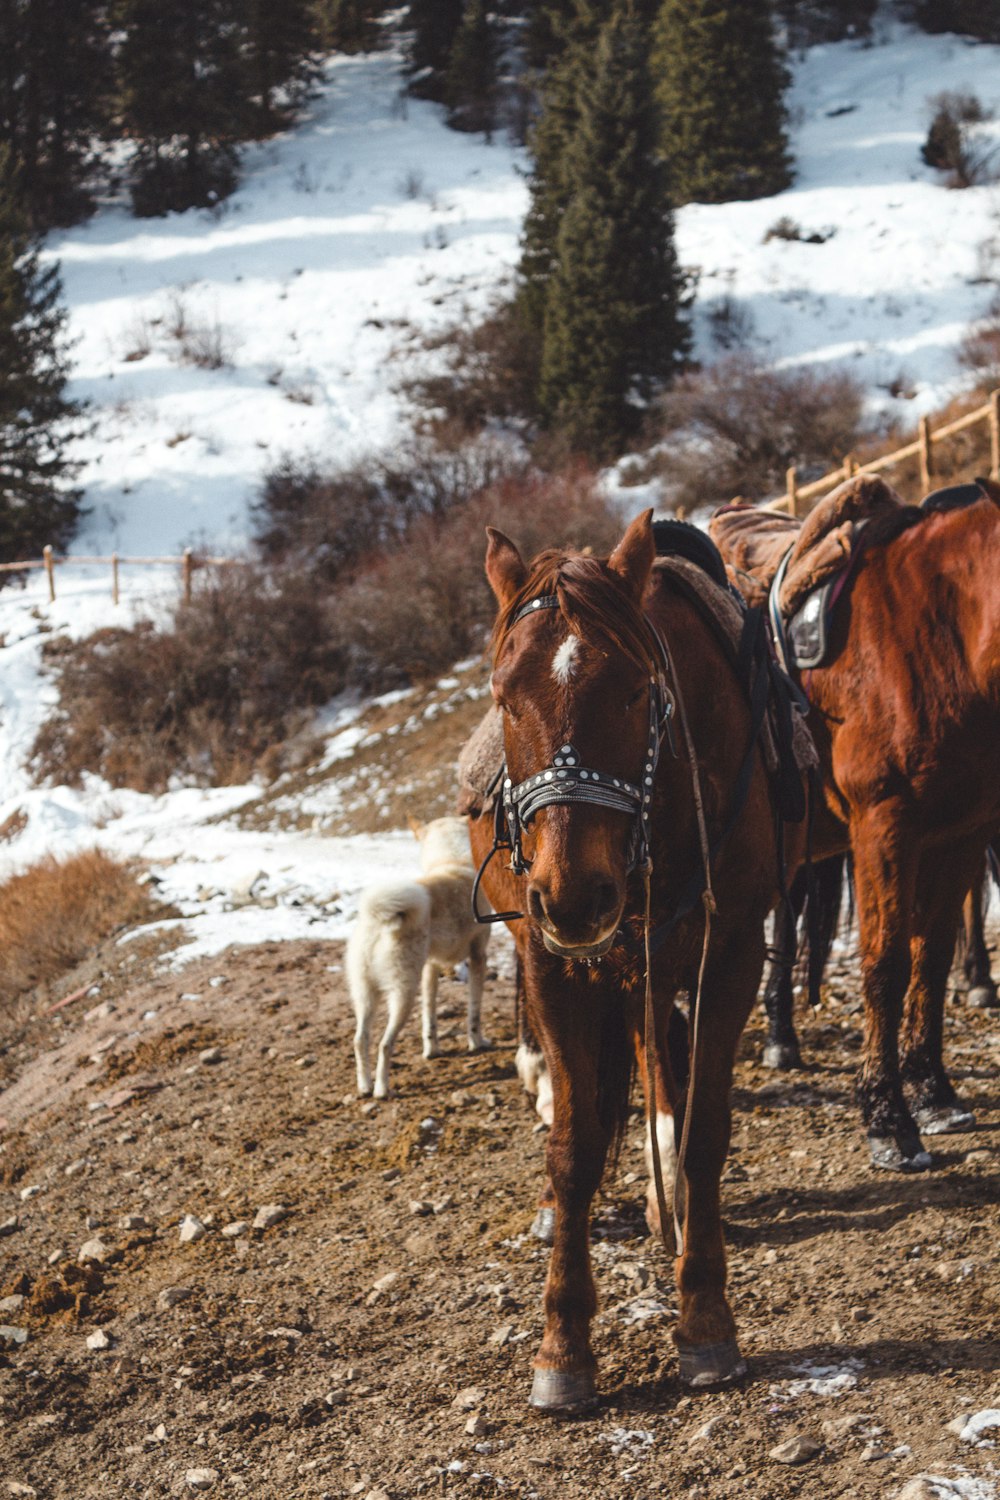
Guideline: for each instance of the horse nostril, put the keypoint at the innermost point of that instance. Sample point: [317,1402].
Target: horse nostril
[536,906]
[605,899]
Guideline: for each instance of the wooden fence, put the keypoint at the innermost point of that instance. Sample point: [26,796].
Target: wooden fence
[187,562]
[795,499]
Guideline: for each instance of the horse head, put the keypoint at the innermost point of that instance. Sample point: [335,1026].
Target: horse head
[578,679]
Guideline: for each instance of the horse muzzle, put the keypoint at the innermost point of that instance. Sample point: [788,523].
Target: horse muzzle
[577,952]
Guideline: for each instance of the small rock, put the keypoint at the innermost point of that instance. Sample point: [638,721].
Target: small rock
[56,1256]
[8,1226]
[391,1174]
[462,1098]
[308,1061]
[191,1229]
[370,1107]
[978,1156]
[872,1452]
[705,1432]
[798,1449]
[93,1221]
[860,1315]
[210,1055]
[172,1295]
[32,1191]
[12,1304]
[385,1282]
[442,1205]
[377,1494]
[75,1167]
[477,1426]
[838,1427]
[918,1489]
[134,1222]
[159,1434]
[271,1213]
[96,1252]
[469,1398]
[420,1208]
[235,1229]
[15,1487]
[956,1425]
[335,1398]
[10,1337]
[200,1479]
[99,1339]
[502,1335]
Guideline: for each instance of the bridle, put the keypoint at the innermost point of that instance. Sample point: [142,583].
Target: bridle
[568,782]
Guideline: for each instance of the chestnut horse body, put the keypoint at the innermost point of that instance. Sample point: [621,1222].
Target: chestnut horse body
[576,675]
[906,718]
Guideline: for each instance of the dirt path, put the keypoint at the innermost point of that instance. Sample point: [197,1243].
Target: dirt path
[322,1356]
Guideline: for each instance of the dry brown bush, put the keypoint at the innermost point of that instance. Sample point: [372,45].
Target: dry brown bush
[54,914]
[489,372]
[418,610]
[735,427]
[207,698]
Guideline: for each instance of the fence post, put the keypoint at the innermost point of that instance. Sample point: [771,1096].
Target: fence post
[792,491]
[187,568]
[926,457]
[995,435]
[51,571]
[114,577]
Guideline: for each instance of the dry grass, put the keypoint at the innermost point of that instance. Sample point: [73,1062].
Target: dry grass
[54,914]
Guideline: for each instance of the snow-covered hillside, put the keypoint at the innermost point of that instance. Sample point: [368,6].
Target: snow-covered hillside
[369,221]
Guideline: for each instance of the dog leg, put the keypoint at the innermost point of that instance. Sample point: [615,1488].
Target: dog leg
[362,999]
[400,1004]
[477,978]
[428,1008]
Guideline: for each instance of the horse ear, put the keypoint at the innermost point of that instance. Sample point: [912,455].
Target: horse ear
[990,488]
[417,829]
[633,558]
[504,567]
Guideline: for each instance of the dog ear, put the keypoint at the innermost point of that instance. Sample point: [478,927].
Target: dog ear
[633,558]
[417,829]
[504,567]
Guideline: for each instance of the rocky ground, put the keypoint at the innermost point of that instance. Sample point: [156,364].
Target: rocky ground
[223,1273]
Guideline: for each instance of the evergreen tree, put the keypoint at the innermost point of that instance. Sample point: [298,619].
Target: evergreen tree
[281,39]
[807,22]
[978,18]
[720,85]
[435,25]
[184,99]
[55,100]
[471,84]
[37,502]
[613,328]
[348,25]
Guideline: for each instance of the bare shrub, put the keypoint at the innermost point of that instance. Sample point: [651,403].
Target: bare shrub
[488,371]
[980,349]
[55,913]
[327,521]
[955,145]
[735,428]
[208,697]
[416,611]
[203,342]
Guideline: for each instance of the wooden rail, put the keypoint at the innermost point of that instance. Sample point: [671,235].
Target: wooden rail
[187,562]
[793,501]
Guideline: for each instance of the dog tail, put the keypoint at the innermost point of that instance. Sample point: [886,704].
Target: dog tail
[402,906]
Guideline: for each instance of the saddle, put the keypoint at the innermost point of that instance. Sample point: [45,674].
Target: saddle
[693,564]
[800,568]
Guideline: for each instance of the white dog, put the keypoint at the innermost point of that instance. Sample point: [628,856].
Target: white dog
[406,935]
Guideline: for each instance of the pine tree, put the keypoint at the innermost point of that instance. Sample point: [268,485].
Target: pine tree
[184,100]
[471,83]
[613,328]
[808,22]
[281,39]
[37,502]
[978,18]
[435,25]
[720,85]
[55,100]
[347,25]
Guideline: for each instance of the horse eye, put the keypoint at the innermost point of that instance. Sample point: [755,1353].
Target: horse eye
[635,697]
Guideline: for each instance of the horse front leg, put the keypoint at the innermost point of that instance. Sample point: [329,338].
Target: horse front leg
[885,880]
[942,878]
[706,1329]
[578,1142]
[982,991]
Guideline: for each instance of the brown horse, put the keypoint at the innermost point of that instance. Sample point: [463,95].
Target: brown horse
[906,717]
[585,686]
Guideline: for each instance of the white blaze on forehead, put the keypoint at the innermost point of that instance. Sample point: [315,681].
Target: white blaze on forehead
[564,659]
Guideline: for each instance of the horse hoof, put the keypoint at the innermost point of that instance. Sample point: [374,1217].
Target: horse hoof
[983,997]
[887,1155]
[562,1393]
[543,1226]
[945,1119]
[785,1057]
[480,1044]
[711,1364]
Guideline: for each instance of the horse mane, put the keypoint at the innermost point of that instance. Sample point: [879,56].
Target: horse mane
[592,598]
[887,525]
